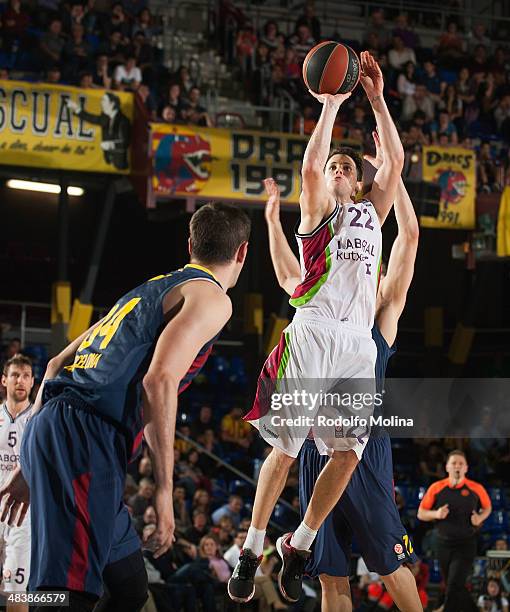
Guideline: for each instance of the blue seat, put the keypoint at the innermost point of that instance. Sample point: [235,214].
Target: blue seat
[281,515]
[497,522]
[435,571]
[239,487]
[497,496]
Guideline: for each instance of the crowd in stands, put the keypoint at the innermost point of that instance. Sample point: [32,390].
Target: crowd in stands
[454,93]
[97,44]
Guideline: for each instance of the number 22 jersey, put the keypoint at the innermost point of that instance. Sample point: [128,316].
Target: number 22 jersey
[340,266]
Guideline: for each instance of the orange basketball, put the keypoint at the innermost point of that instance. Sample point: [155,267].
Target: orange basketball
[332,68]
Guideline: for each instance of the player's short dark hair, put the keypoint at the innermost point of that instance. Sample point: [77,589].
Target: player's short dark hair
[217,230]
[456,451]
[18,360]
[353,154]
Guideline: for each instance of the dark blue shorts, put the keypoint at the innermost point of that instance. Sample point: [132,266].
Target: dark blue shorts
[75,465]
[366,510]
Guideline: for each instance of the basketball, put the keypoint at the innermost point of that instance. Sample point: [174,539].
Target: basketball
[331,68]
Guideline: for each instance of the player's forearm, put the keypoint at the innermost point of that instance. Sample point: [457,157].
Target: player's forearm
[285,263]
[405,214]
[484,514]
[427,515]
[317,150]
[160,410]
[388,134]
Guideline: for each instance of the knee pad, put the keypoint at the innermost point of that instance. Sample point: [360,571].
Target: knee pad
[127,584]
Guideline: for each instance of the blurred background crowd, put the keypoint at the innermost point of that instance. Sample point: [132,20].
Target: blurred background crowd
[453,91]
[451,88]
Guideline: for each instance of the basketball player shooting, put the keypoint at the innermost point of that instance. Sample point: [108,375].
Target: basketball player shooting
[369,498]
[330,336]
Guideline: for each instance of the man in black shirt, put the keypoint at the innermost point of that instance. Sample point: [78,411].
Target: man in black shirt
[460,505]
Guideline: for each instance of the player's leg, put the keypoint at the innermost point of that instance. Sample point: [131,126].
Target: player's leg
[125,575]
[75,490]
[336,594]
[126,580]
[16,565]
[280,377]
[294,548]
[328,489]
[331,550]
[272,478]
[401,585]
[369,504]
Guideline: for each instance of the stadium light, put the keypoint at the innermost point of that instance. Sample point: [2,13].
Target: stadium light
[43,187]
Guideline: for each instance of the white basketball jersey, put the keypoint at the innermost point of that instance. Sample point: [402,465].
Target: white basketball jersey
[11,432]
[340,266]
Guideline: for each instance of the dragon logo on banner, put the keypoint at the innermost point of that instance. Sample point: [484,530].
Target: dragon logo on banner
[453,170]
[182,163]
[453,186]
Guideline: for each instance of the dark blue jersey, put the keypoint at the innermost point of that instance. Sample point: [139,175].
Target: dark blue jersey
[112,360]
[384,352]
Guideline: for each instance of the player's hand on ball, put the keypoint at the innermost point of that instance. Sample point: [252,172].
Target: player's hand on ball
[442,512]
[376,161]
[332,99]
[371,76]
[15,496]
[272,210]
[162,538]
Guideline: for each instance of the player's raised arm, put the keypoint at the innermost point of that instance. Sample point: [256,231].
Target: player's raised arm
[387,178]
[285,263]
[315,202]
[394,288]
[203,314]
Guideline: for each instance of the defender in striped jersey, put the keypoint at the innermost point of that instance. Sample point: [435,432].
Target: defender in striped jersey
[18,380]
[329,338]
[120,379]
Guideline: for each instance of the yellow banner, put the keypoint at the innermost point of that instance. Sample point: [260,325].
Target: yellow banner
[228,164]
[454,170]
[53,126]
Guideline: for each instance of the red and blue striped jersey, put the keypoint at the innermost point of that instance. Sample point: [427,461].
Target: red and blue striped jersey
[110,363]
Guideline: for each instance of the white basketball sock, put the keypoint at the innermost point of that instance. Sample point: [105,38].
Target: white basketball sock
[303,537]
[255,540]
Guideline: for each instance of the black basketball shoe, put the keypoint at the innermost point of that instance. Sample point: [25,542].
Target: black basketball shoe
[290,578]
[241,586]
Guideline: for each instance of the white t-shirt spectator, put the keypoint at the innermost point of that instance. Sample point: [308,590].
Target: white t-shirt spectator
[397,59]
[484,603]
[122,75]
[404,86]
[362,570]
